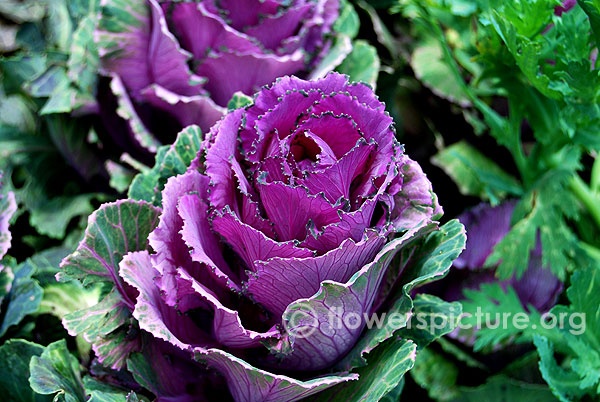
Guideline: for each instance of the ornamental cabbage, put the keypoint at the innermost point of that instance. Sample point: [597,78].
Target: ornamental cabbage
[280,222]
[175,63]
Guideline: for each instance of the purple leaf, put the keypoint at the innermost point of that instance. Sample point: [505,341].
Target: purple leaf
[280,281]
[188,110]
[151,312]
[250,384]
[231,71]
[172,253]
[292,208]
[141,50]
[252,245]
[8,207]
[486,227]
[324,327]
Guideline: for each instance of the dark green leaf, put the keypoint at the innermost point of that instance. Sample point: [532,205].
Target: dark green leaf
[386,367]
[24,298]
[431,318]
[56,372]
[15,355]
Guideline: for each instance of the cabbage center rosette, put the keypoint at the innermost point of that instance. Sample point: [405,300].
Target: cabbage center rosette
[185,60]
[280,221]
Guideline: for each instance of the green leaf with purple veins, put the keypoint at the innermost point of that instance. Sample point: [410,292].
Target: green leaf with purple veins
[113,231]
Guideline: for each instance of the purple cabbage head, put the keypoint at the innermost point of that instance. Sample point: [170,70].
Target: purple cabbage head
[177,63]
[280,220]
[486,226]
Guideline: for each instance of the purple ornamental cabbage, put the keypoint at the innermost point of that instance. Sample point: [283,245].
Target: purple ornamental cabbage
[175,63]
[486,226]
[280,221]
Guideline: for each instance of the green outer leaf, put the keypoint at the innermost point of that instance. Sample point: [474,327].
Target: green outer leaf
[431,261]
[120,176]
[387,365]
[6,280]
[19,11]
[15,355]
[170,161]
[394,395]
[45,265]
[144,186]
[107,326]
[102,392]
[83,55]
[59,24]
[238,100]
[24,297]
[474,173]
[362,64]
[435,374]
[57,371]
[348,22]
[142,371]
[113,231]
[20,69]
[429,313]
[44,85]
[16,111]
[52,218]
[61,299]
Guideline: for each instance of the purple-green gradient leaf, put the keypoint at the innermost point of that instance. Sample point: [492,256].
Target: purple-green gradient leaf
[114,230]
[250,384]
